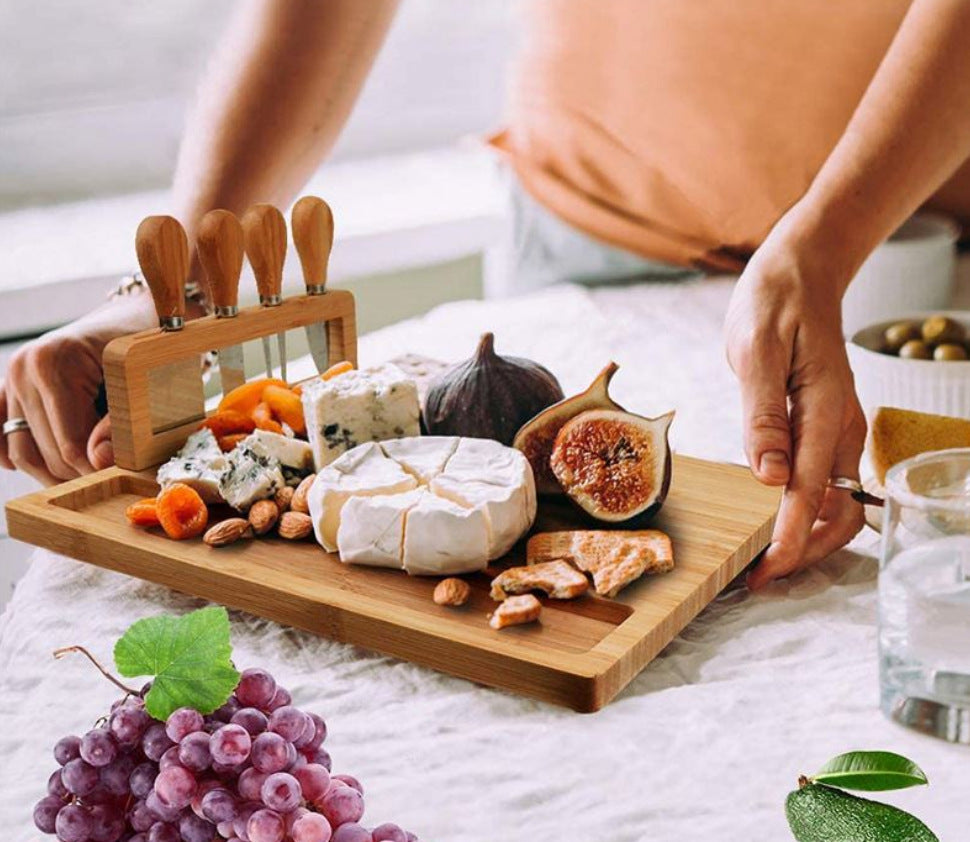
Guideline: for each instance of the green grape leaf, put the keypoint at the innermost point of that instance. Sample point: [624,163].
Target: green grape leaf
[870,771]
[188,658]
[819,813]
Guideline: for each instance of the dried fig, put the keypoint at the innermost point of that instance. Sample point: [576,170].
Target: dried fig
[615,465]
[488,396]
[537,435]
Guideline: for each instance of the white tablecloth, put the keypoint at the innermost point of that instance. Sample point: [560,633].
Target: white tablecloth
[703,745]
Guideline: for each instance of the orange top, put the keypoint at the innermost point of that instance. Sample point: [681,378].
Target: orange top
[682,129]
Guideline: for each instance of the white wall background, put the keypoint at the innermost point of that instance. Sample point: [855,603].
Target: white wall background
[93,95]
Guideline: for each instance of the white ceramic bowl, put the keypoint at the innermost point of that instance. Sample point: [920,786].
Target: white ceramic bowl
[911,272]
[922,385]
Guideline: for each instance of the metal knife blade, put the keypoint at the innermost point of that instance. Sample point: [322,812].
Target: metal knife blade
[312,223]
[264,237]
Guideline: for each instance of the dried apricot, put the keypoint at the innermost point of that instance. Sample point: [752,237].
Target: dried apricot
[263,416]
[228,422]
[227,443]
[143,513]
[286,406]
[181,511]
[245,398]
[337,368]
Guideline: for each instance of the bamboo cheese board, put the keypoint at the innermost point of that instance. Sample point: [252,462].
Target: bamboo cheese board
[580,654]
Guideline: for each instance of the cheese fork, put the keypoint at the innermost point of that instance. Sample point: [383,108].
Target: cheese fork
[264,236]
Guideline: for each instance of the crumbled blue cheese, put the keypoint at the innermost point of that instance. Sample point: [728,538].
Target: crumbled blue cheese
[250,476]
[199,464]
[373,404]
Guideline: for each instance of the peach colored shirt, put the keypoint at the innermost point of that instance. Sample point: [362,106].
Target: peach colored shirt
[682,129]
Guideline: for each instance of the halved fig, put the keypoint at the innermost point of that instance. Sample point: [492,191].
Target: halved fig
[613,464]
[537,436]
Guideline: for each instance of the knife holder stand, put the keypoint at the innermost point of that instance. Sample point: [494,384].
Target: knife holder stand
[153,379]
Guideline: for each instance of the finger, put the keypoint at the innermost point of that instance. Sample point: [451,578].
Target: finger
[817,422]
[100,450]
[36,414]
[4,455]
[71,425]
[767,430]
[23,451]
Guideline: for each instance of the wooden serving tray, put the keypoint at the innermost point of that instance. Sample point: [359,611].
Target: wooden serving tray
[580,654]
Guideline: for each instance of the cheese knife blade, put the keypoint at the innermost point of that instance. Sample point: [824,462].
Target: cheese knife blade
[264,238]
[312,223]
[220,247]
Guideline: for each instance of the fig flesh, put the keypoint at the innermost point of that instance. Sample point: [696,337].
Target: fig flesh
[488,396]
[537,436]
[614,465]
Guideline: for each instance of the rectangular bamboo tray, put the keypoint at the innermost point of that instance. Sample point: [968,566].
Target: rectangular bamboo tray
[581,654]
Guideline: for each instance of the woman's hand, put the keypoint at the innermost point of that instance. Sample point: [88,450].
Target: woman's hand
[802,419]
[53,382]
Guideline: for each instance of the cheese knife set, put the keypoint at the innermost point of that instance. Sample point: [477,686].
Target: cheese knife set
[468,518]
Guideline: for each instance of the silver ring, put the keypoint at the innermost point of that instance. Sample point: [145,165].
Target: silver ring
[15,425]
[846,483]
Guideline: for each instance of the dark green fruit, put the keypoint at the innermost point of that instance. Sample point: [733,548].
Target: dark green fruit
[819,813]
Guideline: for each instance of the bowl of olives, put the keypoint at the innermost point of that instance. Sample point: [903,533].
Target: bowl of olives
[920,362]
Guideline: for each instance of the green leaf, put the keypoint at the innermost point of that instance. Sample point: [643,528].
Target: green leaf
[818,813]
[187,656]
[871,771]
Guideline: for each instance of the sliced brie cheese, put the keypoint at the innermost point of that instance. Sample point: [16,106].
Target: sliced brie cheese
[372,404]
[372,528]
[362,472]
[443,538]
[249,476]
[292,453]
[423,458]
[199,464]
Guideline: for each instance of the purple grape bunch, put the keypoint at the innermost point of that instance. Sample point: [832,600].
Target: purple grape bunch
[255,770]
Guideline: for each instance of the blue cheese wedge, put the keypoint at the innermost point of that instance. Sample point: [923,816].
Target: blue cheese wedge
[199,464]
[369,405]
[250,475]
[294,455]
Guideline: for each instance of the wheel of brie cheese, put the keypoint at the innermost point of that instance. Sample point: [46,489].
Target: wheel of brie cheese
[428,505]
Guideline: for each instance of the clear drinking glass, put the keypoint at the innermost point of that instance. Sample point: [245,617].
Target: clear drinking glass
[924,595]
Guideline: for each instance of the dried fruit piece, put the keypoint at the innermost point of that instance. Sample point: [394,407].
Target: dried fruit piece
[337,368]
[227,532]
[228,422]
[245,398]
[143,513]
[614,557]
[286,407]
[515,611]
[283,498]
[557,579]
[295,526]
[614,465]
[488,396]
[263,416]
[537,436]
[263,515]
[228,443]
[451,591]
[181,511]
[299,501]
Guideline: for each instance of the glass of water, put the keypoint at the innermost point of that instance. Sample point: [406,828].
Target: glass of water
[924,595]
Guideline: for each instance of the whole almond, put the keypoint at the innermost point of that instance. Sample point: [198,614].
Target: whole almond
[283,498]
[263,515]
[227,532]
[299,503]
[295,526]
[451,592]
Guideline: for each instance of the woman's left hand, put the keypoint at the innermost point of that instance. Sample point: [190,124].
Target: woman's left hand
[802,420]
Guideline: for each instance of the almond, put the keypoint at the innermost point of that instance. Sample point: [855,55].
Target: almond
[227,532]
[283,498]
[299,503]
[451,592]
[295,526]
[263,515]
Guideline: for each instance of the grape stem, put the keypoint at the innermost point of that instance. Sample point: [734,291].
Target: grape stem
[67,650]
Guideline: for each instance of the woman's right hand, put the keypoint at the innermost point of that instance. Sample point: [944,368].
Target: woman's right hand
[53,381]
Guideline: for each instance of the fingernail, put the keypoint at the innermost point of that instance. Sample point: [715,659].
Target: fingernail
[104,455]
[774,466]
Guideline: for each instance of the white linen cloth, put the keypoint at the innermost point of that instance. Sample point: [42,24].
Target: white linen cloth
[703,745]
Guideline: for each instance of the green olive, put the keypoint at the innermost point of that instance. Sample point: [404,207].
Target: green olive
[950,351]
[915,350]
[899,334]
[939,330]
